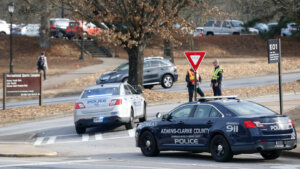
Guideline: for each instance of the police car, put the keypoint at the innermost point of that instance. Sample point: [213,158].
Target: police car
[109,104]
[224,127]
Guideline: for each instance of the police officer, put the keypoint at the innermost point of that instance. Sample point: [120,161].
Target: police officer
[216,81]
[190,79]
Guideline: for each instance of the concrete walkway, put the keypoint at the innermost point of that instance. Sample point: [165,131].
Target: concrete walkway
[108,63]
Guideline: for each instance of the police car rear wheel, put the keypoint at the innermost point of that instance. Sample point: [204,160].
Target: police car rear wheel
[220,149]
[80,129]
[167,81]
[130,124]
[270,155]
[148,144]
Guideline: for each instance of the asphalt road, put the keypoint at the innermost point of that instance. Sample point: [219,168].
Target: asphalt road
[181,87]
[239,83]
[114,148]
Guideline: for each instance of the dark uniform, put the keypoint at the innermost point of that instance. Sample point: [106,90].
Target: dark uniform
[217,78]
[190,84]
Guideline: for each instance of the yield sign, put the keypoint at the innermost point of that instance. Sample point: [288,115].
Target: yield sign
[195,58]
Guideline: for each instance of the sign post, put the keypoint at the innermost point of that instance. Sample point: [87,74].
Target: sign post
[195,58]
[4,92]
[22,84]
[274,56]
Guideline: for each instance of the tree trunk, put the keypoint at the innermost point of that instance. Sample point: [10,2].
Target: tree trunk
[136,66]
[45,28]
[168,50]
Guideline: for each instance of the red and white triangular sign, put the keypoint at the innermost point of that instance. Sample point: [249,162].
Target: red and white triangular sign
[195,58]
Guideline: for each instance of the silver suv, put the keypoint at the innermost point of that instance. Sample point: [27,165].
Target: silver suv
[157,71]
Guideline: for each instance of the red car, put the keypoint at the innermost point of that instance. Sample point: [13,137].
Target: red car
[75,29]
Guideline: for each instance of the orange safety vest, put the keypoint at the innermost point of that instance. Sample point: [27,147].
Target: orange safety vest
[192,76]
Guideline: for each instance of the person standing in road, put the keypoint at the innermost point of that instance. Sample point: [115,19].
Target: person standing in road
[190,79]
[42,64]
[216,81]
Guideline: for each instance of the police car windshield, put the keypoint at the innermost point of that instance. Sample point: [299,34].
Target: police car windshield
[249,109]
[109,91]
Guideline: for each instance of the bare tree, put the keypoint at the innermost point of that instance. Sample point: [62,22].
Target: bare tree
[132,24]
[45,27]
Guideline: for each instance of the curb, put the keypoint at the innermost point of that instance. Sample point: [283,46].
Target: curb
[52,154]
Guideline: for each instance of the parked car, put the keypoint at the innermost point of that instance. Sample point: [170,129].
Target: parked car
[226,27]
[261,27]
[223,128]
[31,30]
[75,28]
[198,32]
[290,29]
[157,70]
[17,30]
[58,27]
[4,28]
[272,25]
[109,104]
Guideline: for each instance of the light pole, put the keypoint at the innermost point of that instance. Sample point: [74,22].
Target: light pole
[11,8]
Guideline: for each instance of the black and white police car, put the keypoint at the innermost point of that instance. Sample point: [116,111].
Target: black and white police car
[224,127]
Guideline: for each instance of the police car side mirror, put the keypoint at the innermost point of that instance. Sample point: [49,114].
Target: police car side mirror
[158,115]
[139,91]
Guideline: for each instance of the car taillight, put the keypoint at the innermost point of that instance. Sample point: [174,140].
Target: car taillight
[52,27]
[291,123]
[115,102]
[253,124]
[79,105]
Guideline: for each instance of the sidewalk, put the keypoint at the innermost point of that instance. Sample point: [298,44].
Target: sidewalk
[108,63]
[24,150]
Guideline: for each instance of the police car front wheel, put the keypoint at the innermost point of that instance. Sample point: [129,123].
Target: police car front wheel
[220,149]
[148,144]
[270,155]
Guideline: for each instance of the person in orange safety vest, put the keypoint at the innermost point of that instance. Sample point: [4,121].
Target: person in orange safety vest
[190,79]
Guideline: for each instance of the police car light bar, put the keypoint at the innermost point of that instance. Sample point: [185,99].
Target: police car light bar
[216,97]
[153,57]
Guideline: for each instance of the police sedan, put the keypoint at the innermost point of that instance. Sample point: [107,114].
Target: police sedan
[109,104]
[223,127]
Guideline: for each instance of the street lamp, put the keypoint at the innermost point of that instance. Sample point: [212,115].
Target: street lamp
[11,8]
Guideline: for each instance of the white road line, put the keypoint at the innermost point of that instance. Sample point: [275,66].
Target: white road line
[85,137]
[39,141]
[131,133]
[51,140]
[98,136]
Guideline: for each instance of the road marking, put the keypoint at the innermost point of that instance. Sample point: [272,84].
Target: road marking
[85,137]
[131,133]
[98,136]
[51,140]
[39,141]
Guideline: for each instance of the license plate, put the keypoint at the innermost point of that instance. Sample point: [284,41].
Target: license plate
[279,144]
[98,119]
